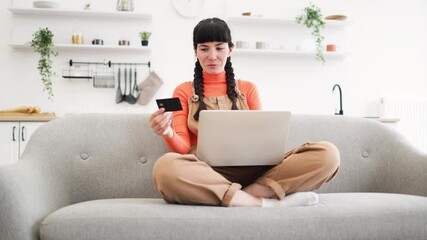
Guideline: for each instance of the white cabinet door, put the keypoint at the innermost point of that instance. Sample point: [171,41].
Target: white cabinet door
[14,137]
[9,142]
[26,129]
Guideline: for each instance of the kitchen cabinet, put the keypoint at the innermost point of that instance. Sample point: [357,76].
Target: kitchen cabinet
[14,137]
[285,37]
[110,26]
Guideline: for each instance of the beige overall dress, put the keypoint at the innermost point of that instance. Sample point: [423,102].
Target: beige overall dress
[184,179]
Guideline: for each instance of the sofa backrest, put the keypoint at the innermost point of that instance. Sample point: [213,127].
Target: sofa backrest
[95,156]
[368,150]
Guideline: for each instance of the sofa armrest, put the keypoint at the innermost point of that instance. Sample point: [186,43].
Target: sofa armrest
[407,172]
[28,193]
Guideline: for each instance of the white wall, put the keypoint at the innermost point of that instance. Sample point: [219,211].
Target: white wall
[388,39]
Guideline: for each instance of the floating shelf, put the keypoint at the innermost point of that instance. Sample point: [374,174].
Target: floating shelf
[78,13]
[87,47]
[265,20]
[289,53]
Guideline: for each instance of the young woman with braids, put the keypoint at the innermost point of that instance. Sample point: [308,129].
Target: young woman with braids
[182,178]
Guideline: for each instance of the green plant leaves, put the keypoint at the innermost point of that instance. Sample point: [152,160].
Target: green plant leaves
[145,36]
[313,20]
[42,43]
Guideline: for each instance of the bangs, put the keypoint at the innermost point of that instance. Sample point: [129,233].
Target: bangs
[211,33]
[212,30]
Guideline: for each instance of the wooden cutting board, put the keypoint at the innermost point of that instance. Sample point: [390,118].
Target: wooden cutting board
[26,117]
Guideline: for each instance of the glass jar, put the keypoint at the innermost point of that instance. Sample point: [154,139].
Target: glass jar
[77,37]
[125,5]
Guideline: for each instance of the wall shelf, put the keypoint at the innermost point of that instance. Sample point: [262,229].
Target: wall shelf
[78,13]
[87,47]
[90,17]
[285,37]
[312,54]
[283,21]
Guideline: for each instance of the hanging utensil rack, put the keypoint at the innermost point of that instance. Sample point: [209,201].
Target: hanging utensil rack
[87,72]
[109,63]
[102,74]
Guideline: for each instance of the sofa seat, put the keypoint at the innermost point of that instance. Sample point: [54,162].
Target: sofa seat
[337,216]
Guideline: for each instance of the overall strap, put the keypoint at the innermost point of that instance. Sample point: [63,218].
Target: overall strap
[194,97]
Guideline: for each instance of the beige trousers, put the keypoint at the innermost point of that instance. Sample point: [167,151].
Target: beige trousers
[184,179]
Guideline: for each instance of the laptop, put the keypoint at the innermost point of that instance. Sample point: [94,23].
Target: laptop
[242,137]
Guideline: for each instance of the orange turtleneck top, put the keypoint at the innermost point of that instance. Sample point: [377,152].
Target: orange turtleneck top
[215,85]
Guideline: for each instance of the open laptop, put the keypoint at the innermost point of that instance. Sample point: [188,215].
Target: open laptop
[242,137]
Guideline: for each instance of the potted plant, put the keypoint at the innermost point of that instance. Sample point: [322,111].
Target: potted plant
[145,37]
[42,43]
[313,20]
[87,6]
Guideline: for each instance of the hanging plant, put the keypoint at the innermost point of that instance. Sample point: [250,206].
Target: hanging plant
[313,20]
[42,43]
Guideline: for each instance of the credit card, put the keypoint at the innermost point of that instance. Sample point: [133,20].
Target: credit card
[169,104]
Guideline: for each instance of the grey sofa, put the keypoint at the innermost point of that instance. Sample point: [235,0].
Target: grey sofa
[89,177]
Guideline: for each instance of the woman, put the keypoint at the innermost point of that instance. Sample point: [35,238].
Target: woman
[182,178]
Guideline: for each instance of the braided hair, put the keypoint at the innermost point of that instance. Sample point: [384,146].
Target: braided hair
[213,30]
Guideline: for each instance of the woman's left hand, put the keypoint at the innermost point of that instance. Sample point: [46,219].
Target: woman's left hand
[161,122]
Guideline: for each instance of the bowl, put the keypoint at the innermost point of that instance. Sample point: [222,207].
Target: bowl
[336,17]
[45,4]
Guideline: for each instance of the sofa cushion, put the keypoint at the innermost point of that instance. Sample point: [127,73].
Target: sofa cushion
[337,216]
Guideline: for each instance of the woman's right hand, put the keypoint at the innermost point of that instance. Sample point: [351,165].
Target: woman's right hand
[161,122]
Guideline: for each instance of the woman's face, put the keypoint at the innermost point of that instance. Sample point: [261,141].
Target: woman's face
[213,56]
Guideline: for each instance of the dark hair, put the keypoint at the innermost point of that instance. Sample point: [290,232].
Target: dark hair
[213,30]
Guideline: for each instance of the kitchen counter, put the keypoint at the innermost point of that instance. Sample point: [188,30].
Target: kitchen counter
[26,117]
[385,120]
[388,120]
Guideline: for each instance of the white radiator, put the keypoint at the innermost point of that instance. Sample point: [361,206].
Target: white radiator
[413,119]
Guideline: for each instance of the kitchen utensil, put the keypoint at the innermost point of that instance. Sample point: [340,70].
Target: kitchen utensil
[77,73]
[103,81]
[119,96]
[135,91]
[126,85]
[129,97]
[103,77]
[148,88]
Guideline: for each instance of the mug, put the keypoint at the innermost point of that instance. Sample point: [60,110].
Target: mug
[242,44]
[262,45]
